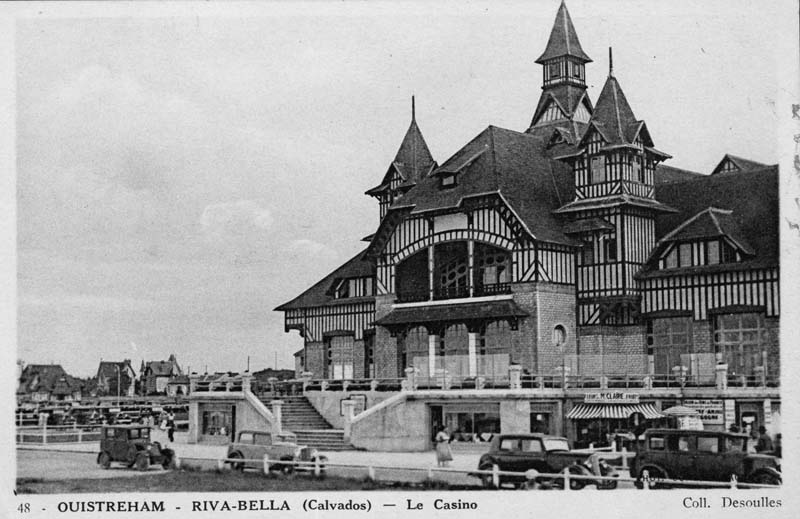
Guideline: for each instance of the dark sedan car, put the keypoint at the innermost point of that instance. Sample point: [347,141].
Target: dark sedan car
[545,454]
[678,454]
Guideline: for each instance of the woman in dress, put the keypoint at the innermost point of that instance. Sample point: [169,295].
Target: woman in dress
[443,453]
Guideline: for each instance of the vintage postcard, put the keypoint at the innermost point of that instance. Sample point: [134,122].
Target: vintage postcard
[400,258]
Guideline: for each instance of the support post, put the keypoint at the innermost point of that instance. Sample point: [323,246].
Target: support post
[515,376]
[247,382]
[496,476]
[472,354]
[277,425]
[266,464]
[348,406]
[721,376]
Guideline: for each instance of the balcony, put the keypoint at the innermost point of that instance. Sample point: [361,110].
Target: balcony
[445,293]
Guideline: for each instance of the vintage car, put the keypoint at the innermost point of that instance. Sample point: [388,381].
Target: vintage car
[680,454]
[252,446]
[545,454]
[131,445]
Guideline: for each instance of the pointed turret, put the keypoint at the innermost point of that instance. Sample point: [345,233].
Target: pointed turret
[411,164]
[563,103]
[563,39]
[614,115]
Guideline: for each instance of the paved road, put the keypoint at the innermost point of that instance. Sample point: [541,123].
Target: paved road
[72,465]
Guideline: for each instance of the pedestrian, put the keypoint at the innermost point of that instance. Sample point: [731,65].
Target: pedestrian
[443,453]
[752,441]
[764,443]
[171,426]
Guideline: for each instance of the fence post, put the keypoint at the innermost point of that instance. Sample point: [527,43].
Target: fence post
[645,480]
[566,479]
[430,474]
[496,476]
[44,430]
[80,435]
[371,473]
[266,464]
[317,469]
[176,460]
[220,464]
[734,482]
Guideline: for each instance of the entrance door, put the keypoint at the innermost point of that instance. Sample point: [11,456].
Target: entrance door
[437,420]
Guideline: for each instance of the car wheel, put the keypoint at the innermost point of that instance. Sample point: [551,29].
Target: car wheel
[576,484]
[169,462]
[104,460]
[655,474]
[142,462]
[236,465]
[287,469]
[486,479]
[766,478]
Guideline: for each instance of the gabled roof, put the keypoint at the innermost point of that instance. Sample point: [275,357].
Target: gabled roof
[740,164]
[710,223]
[109,369]
[752,198]
[504,163]
[413,160]
[568,98]
[563,39]
[66,385]
[40,377]
[162,368]
[320,294]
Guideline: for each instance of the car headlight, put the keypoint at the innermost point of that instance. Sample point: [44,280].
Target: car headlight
[297,452]
[314,453]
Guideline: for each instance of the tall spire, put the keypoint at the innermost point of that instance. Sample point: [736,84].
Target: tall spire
[413,110]
[563,39]
[610,62]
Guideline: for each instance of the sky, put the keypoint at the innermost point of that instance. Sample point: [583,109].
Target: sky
[180,173]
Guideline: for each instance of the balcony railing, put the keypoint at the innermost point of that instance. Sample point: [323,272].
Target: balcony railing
[442,293]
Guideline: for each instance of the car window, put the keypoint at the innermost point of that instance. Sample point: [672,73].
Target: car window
[509,444]
[708,444]
[687,443]
[556,444]
[656,443]
[246,438]
[531,445]
[262,439]
[134,434]
[734,444]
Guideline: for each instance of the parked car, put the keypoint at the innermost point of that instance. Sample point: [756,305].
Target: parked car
[252,446]
[545,454]
[701,456]
[131,445]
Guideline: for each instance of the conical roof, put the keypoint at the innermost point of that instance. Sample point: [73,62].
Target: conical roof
[413,158]
[613,114]
[563,39]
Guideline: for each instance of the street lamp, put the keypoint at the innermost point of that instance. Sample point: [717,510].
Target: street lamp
[119,376]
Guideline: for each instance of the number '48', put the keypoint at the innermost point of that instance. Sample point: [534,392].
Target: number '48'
[24,508]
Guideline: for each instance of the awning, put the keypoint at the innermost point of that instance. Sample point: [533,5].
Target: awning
[490,310]
[621,411]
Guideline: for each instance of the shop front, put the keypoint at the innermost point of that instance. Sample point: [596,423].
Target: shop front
[467,422]
[607,417]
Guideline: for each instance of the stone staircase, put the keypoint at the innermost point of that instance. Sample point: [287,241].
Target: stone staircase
[300,417]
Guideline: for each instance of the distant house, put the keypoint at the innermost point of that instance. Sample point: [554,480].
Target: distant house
[178,386]
[43,382]
[155,375]
[116,378]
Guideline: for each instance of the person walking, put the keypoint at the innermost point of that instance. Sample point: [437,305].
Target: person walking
[171,427]
[443,453]
[764,443]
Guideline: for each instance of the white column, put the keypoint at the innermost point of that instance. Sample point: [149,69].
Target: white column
[431,266]
[472,352]
[470,272]
[433,342]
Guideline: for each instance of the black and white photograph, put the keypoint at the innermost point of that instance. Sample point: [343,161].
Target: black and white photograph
[400,258]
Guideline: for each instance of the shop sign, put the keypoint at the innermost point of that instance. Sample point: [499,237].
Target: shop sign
[711,411]
[611,397]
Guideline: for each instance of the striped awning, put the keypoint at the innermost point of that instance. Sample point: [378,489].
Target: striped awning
[623,411]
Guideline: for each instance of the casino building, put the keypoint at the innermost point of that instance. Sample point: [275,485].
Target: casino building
[561,279]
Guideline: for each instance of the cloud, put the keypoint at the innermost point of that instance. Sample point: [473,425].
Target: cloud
[240,217]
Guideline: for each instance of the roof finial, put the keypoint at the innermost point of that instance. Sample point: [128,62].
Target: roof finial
[413,110]
[610,62]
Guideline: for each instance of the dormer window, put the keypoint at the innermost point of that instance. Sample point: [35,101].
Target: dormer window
[449,180]
[693,254]
[555,69]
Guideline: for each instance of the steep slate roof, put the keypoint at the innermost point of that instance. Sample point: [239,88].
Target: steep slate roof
[108,369]
[668,175]
[413,160]
[752,198]
[563,39]
[739,162]
[613,114]
[161,368]
[512,165]
[40,377]
[319,294]
[568,98]
[710,223]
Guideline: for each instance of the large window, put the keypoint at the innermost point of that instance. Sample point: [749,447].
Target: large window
[670,341]
[414,350]
[339,357]
[492,269]
[598,169]
[217,423]
[740,339]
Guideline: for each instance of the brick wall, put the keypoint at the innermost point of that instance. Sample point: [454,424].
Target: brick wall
[611,350]
[773,346]
[385,344]
[315,358]
[358,359]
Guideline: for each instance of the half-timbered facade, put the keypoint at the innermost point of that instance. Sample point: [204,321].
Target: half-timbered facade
[568,250]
